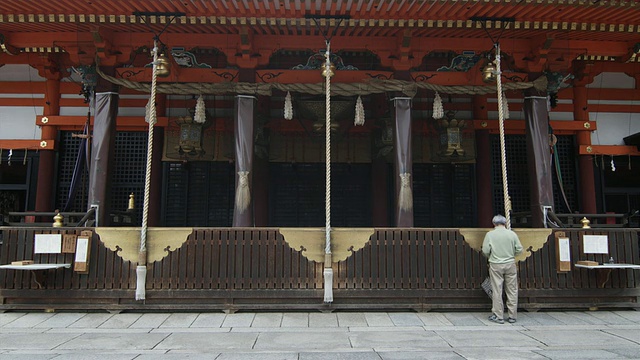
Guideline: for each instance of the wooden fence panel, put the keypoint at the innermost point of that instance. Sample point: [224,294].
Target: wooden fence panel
[433,267]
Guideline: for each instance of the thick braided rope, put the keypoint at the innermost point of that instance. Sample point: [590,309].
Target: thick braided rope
[327,201]
[503,153]
[152,121]
[372,86]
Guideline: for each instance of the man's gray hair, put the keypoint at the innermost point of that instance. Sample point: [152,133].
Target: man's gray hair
[499,220]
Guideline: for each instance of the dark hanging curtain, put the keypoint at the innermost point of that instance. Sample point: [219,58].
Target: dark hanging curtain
[243,127]
[102,144]
[403,163]
[536,117]
[82,162]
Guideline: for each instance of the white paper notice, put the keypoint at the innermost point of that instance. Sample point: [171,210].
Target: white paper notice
[595,244]
[565,253]
[47,244]
[82,246]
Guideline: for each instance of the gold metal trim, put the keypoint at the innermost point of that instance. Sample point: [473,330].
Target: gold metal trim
[45,120]
[589,149]
[43,144]
[587,125]
[531,239]
[125,241]
[311,241]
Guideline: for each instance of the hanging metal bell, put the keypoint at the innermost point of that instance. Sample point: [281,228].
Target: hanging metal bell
[328,70]
[163,68]
[489,73]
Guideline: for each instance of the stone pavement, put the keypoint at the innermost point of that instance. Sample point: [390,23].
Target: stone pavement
[314,335]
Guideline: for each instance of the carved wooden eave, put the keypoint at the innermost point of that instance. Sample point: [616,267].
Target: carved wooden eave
[539,35]
[125,241]
[311,241]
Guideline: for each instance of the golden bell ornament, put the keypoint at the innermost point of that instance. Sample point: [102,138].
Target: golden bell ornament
[132,202]
[58,220]
[489,73]
[163,68]
[328,71]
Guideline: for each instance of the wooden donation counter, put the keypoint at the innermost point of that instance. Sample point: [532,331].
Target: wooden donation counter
[604,270]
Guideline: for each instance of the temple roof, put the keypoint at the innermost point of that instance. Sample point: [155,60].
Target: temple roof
[569,19]
[539,34]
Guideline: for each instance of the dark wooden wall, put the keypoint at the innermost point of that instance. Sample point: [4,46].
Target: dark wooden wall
[235,269]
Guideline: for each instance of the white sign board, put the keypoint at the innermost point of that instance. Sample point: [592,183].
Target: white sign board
[565,250]
[82,248]
[595,244]
[47,244]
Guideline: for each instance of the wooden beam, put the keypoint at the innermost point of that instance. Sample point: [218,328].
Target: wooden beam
[556,125]
[27,144]
[182,75]
[286,76]
[609,150]
[79,121]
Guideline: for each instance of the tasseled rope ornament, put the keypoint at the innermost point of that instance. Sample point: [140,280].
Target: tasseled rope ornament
[406,195]
[505,106]
[288,107]
[438,109]
[359,119]
[243,196]
[200,116]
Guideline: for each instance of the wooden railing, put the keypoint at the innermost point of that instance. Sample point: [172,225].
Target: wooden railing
[46,218]
[227,268]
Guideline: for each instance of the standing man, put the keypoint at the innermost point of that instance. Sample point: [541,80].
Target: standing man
[501,245]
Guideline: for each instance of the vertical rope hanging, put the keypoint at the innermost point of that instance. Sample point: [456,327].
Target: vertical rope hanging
[505,183]
[328,270]
[141,269]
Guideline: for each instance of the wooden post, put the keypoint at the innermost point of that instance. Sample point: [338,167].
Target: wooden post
[46,170]
[585,165]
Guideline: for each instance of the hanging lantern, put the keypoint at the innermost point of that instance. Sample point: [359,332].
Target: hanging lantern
[190,142]
[451,135]
[163,67]
[489,73]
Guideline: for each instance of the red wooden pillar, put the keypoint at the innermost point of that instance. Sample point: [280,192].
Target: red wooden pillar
[483,165]
[46,170]
[585,165]
[155,190]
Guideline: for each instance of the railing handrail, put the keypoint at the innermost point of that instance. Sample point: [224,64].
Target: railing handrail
[84,217]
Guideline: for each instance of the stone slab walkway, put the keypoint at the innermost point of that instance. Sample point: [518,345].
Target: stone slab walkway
[310,336]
